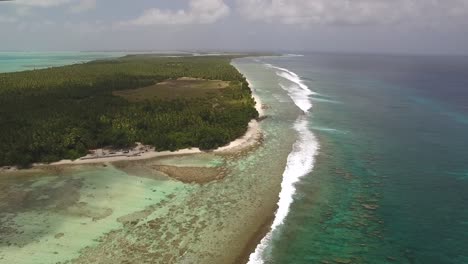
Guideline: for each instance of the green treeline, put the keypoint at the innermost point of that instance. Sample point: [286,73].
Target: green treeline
[60,113]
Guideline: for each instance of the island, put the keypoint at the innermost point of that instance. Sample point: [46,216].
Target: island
[126,105]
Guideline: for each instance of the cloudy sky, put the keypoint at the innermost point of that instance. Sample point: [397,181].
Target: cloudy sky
[389,26]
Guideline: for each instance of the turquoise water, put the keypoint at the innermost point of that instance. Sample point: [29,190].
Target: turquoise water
[22,61]
[50,217]
[390,181]
[130,213]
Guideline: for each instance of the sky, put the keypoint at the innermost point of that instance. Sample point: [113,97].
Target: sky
[369,26]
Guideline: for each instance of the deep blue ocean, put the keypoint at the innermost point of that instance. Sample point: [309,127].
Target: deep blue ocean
[390,183]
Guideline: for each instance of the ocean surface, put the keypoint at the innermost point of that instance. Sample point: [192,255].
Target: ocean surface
[390,181]
[22,61]
[369,155]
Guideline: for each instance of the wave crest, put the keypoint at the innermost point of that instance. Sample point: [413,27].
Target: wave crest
[300,161]
[297,89]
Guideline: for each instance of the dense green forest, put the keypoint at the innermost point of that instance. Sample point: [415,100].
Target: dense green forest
[60,113]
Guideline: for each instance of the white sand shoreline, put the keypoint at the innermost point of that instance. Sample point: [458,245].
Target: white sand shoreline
[250,138]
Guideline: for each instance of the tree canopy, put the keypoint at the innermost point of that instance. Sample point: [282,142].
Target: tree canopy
[60,113]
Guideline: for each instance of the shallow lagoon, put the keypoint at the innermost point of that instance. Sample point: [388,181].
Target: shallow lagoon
[106,215]
[49,218]
[22,61]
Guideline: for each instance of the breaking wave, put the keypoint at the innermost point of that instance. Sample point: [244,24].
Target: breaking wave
[300,161]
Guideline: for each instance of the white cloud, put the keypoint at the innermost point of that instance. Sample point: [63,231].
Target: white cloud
[7,19]
[23,11]
[84,28]
[25,8]
[352,12]
[83,5]
[40,3]
[199,12]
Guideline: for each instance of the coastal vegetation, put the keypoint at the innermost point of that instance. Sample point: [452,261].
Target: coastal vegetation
[170,103]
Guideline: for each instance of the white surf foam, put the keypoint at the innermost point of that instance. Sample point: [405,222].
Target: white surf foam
[322,100]
[294,55]
[298,90]
[300,98]
[326,129]
[300,161]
